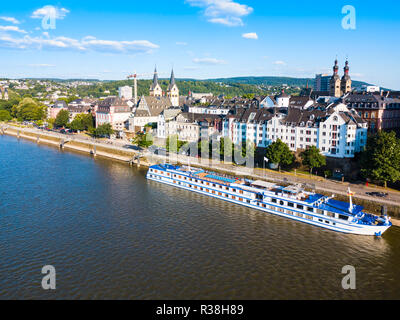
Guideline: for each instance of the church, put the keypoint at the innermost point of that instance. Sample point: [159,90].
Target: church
[339,87]
[149,108]
[172,91]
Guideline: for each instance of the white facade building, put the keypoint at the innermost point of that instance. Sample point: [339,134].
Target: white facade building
[125,92]
[337,131]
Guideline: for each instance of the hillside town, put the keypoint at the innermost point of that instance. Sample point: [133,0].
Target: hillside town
[333,116]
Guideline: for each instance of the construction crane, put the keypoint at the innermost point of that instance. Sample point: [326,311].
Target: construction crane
[135,76]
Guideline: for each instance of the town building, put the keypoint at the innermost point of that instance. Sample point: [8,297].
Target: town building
[336,130]
[165,116]
[55,109]
[114,111]
[155,88]
[173,91]
[339,87]
[148,110]
[125,92]
[379,110]
[192,127]
[322,82]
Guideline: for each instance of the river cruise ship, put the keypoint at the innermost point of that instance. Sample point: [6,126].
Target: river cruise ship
[292,201]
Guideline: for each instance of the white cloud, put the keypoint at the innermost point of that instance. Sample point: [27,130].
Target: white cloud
[280,63]
[251,35]
[47,11]
[208,61]
[226,12]
[10,19]
[86,44]
[42,65]
[11,29]
[180,43]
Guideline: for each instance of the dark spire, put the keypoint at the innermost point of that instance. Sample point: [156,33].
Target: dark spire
[336,67]
[172,80]
[346,68]
[155,78]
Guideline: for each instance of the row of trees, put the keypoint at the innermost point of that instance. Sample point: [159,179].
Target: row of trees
[26,109]
[279,154]
[83,122]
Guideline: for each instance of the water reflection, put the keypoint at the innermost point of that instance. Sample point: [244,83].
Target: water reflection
[110,233]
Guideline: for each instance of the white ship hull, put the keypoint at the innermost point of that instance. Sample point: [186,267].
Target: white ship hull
[327,223]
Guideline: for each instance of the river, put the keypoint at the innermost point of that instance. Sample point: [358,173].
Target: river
[111,234]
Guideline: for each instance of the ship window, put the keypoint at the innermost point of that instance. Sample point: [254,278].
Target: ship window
[264,205]
[219,193]
[290,204]
[310,209]
[320,220]
[326,221]
[299,206]
[343,217]
[282,203]
[273,200]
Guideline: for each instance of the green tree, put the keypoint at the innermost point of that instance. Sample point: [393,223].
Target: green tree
[82,122]
[62,118]
[103,130]
[50,123]
[174,144]
[28,110]
[313,158]
[381,159]
[227,147]
[279,153]
[5,115]
[143,140]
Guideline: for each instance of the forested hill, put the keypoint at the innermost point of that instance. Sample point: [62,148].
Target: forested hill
[276,81]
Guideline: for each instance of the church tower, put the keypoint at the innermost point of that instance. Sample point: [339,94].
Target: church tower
[346,80]
[334,84]
[155,88]
[173,91]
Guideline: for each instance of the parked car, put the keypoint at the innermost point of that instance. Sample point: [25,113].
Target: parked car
[377,194]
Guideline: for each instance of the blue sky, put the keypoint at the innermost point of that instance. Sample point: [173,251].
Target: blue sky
[200,39]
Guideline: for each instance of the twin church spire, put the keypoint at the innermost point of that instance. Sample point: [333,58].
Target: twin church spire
[339,87]
[172,92]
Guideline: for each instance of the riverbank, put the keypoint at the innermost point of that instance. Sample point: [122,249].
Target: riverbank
[96,149]
[134,157]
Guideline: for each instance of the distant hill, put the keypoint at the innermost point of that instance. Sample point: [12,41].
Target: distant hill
[276,81]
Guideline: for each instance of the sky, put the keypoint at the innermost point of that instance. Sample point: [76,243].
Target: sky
[200,39]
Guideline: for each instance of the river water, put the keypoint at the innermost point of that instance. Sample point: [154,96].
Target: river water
[111,234]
